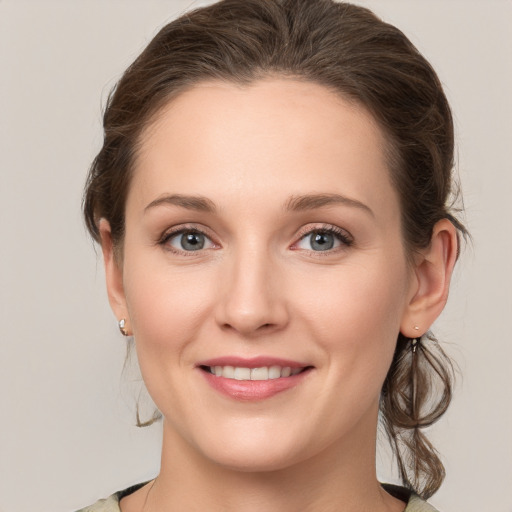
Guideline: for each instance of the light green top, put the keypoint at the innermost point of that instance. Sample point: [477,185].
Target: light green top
[414,503]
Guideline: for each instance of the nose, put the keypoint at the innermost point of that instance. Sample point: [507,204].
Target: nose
[253,299]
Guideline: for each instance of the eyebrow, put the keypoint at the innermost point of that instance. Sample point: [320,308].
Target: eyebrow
[294,203]
[198,203]
[313,201]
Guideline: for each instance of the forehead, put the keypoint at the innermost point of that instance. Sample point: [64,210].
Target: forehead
[276,135]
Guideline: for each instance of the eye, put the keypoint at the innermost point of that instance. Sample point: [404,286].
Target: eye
[187,240]
[324,239]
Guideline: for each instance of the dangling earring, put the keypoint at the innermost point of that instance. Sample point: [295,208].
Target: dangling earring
[415,405]
[415,341]
[122,327]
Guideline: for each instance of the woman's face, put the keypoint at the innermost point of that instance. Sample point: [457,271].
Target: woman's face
[263,240]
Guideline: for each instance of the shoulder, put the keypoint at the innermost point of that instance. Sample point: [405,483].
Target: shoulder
[414,502]
[111,504]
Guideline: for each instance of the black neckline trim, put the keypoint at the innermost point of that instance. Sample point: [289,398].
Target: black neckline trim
[398,492]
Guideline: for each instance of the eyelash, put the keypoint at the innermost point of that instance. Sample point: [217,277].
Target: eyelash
[163,241]
[343,236]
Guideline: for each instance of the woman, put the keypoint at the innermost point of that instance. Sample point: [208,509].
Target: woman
[271,201]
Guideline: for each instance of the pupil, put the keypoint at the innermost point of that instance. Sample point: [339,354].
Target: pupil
[192,241]
[322,241]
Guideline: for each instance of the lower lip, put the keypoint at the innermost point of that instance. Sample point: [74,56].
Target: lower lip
[253,389]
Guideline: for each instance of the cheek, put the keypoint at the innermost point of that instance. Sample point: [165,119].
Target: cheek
[361,298]
[168,311]
[167,308]
[355,316]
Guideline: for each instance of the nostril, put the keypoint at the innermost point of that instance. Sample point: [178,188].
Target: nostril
[266,327]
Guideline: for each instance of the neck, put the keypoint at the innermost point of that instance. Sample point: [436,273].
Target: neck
[342,476]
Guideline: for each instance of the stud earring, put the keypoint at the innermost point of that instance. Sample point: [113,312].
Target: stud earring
[416,328]
[122,327]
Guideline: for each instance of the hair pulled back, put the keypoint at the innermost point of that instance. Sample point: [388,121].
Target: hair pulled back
[352,52]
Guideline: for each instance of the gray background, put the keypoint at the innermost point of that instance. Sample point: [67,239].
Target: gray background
[67,435]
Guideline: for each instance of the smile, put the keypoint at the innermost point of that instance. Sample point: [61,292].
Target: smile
[262,373]
[257,378]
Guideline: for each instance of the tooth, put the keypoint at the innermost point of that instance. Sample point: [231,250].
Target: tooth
[286,371]
[262,373]
[259,373]
[274,372]
[228,372]
[242,374]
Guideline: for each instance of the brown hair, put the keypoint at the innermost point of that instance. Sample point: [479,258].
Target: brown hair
[349,50]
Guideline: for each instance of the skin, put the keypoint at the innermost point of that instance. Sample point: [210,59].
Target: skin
[259,287]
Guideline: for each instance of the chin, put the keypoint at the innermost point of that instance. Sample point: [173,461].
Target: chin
[254,461]
[256,452]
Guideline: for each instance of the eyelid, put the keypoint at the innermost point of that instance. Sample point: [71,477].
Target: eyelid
[184,228]
[341,234]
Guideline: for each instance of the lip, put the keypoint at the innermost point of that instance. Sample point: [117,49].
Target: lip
[253,390]
[252,362]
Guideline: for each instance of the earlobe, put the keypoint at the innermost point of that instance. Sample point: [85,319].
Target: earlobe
[113,272]
[433,271]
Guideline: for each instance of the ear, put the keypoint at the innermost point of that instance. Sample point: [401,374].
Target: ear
[113,273]
[430,285]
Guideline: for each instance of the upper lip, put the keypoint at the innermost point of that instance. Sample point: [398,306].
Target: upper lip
[253,362]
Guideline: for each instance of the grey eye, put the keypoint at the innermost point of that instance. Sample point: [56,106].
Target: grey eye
[189,241]
[192,241]
[321,241]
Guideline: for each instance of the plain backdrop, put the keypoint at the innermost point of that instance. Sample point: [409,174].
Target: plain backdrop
[66,429]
